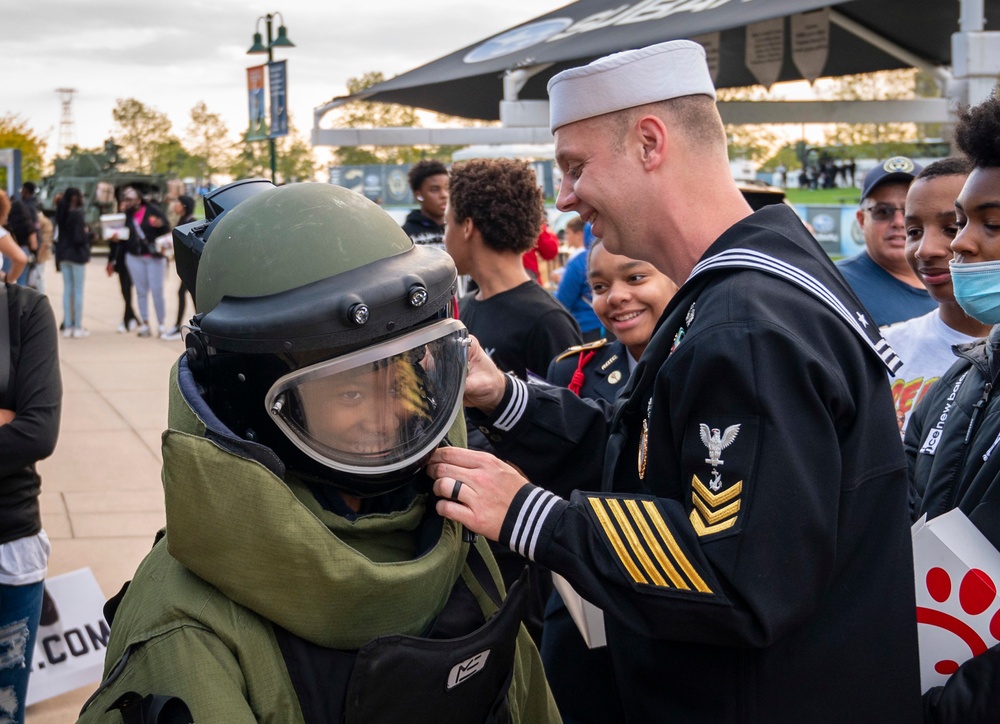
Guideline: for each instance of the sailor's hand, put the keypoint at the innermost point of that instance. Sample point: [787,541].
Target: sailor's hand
[485,383]
[476,488]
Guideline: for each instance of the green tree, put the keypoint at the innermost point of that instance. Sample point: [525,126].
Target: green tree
[209,142]
[15,133]
[170,158]
[366,114]
[877,140]
[293,155]
[140,130]
[370,114]
[755,142]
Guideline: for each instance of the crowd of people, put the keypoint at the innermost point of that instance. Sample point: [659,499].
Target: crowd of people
[379,453]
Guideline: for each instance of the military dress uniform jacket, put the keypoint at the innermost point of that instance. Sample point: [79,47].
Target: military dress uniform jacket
[604,375]
[751,548]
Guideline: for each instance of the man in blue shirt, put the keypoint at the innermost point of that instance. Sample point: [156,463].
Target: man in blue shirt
[879,274]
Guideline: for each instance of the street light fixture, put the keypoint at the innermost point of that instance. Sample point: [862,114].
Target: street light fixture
[258,47]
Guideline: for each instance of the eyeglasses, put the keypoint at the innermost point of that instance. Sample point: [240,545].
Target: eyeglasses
[884,212]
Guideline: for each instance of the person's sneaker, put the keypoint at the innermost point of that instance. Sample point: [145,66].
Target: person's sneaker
[67,332]
[122,329]
[80,333]
[144,330]
[132,324]
[171,334]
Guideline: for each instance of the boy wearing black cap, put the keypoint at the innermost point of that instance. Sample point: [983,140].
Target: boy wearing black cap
[183,207]
[880,274]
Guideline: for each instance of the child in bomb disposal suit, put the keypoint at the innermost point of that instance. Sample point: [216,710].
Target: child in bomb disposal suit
[304,575]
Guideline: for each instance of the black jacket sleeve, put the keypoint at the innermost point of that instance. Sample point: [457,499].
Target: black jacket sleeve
[563,447]
[971,695]
[37,394]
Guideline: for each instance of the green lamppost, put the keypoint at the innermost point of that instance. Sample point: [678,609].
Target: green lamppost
[258,46]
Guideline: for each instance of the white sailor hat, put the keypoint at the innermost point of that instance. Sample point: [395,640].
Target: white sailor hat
[628,79]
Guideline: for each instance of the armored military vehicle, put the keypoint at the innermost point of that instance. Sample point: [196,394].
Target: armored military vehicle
[98,178]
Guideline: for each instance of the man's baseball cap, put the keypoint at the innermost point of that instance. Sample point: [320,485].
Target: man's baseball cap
[897,168]
[629,79]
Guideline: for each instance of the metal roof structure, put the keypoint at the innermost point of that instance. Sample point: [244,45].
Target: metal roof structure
[747,41]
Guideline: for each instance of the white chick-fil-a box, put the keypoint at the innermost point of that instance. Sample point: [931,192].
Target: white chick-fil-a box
[956,572]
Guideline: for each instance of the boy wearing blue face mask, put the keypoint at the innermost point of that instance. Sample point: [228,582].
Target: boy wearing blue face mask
[953,436]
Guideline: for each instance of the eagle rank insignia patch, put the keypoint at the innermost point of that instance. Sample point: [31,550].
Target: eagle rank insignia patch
[723,460]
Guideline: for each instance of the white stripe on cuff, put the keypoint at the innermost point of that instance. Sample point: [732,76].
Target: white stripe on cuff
[515,408]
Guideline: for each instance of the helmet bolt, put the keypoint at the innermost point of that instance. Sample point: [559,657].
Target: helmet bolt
[359,314]
[418,296]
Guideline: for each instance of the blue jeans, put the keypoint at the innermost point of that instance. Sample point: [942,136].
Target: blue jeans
[20,607]
[148,274]
[72,294]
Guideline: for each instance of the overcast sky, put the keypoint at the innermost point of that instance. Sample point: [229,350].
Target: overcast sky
[170,55]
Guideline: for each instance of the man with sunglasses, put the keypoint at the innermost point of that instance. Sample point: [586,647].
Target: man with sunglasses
[879,274]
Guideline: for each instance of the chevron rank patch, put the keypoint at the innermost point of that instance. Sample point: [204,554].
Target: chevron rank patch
[647,550]
[719,456]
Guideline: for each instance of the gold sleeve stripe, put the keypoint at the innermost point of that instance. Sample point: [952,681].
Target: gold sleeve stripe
[716,499]
[720,514]
[675,549]
[702,530]
[640,552]
[654,545]
[616,541]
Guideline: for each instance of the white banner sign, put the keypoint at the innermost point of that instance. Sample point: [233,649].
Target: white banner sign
[811,42]
[765,50]
[69,652]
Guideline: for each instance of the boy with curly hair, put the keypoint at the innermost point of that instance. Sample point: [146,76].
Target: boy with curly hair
[494,215]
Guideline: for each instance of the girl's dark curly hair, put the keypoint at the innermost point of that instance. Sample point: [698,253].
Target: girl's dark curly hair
[502,198]
[977,133]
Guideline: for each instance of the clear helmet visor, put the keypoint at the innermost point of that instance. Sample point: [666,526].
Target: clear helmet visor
[378,409]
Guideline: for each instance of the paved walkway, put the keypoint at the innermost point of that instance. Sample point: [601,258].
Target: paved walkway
[102,501]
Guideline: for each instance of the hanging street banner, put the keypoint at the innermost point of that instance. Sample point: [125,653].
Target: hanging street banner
[255,93]
[278,83]
[811,42]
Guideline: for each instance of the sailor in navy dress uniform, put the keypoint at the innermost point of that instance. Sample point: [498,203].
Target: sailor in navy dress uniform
[750,545]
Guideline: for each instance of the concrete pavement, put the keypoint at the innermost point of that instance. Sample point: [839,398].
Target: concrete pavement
[101,499]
